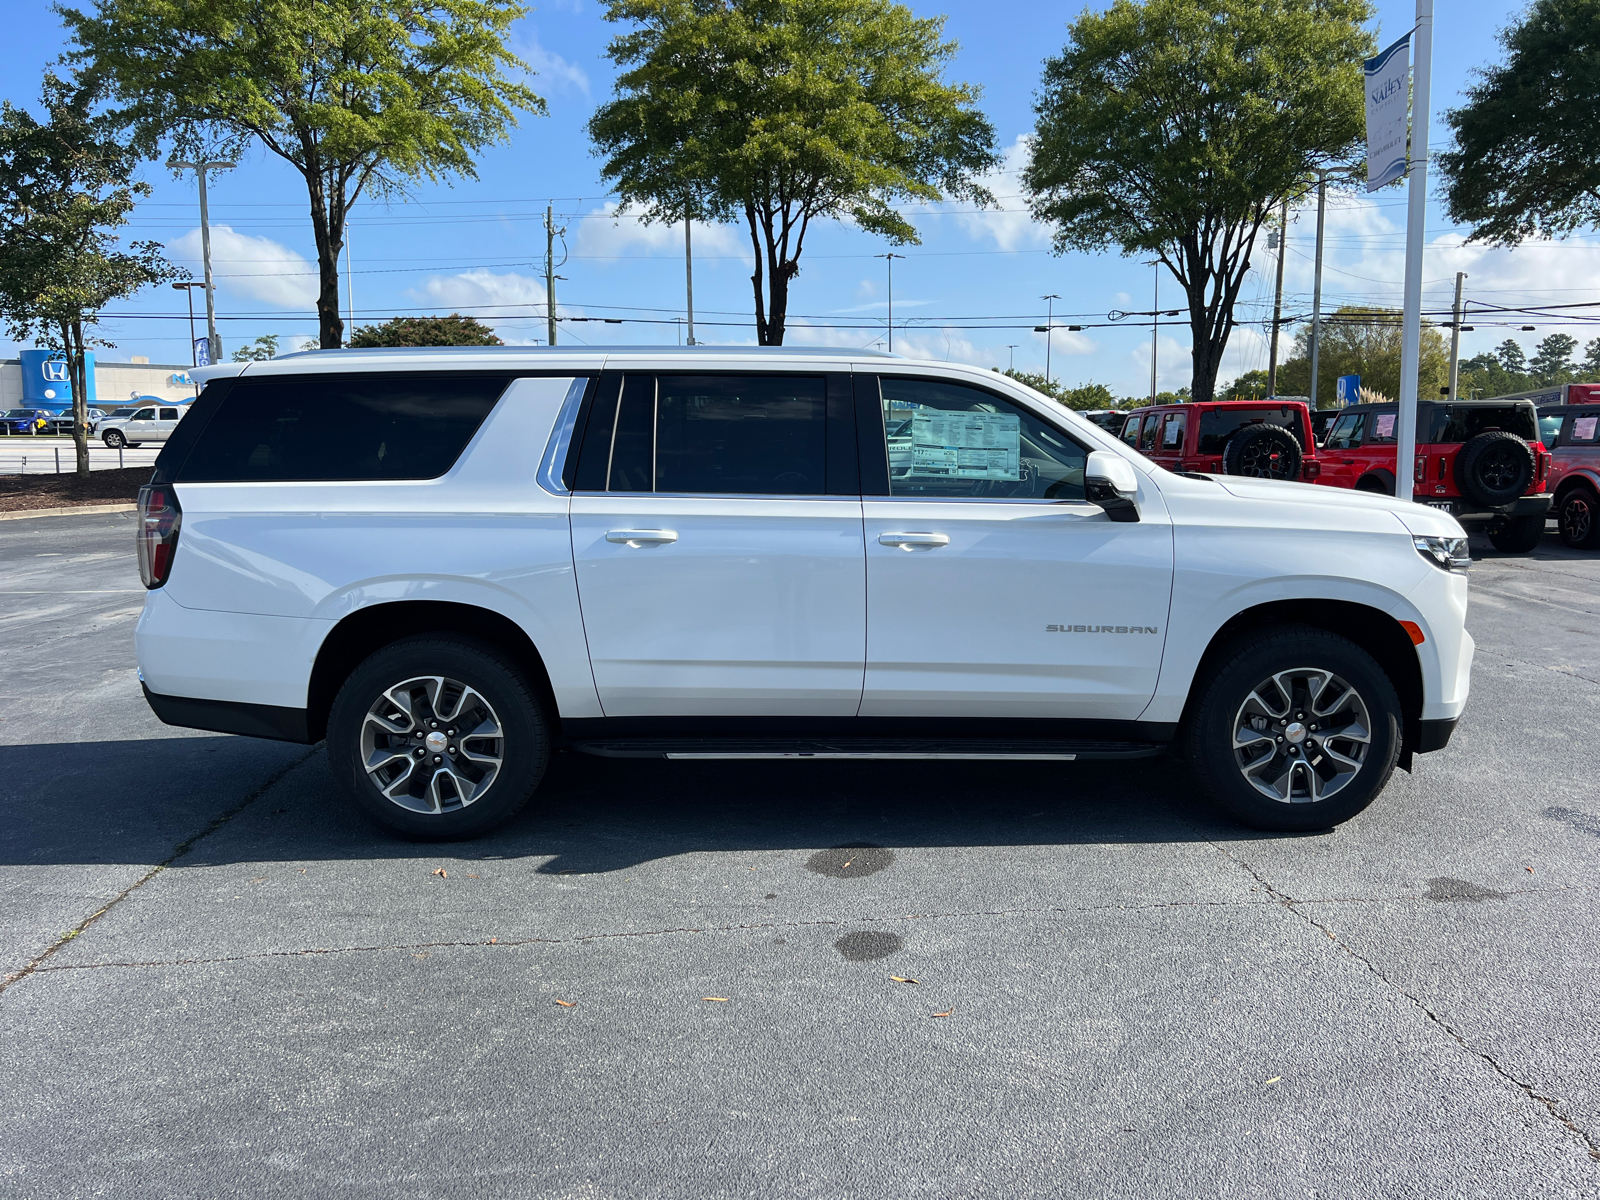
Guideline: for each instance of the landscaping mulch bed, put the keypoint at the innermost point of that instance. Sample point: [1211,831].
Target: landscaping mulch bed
[64,491]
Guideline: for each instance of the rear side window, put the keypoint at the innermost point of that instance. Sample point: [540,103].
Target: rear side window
[1459,423]
[1217,425]
[326,427]
[1583,428]
[718,435]
[169,414]
[1172,433]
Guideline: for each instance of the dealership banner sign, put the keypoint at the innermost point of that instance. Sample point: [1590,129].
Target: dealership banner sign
[1388,105]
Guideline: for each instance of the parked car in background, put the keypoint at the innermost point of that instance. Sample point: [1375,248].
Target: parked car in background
[1481,461]
[1265,439]
[1321,421]
[1109,419]
[1572,432]
[61,422]
[146,423]
[25,420]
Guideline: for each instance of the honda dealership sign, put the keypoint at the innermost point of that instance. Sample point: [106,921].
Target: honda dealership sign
[1388,78]
[46,381]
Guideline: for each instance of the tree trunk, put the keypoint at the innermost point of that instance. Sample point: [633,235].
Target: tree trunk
[78,369]
[757,276]
[327,228]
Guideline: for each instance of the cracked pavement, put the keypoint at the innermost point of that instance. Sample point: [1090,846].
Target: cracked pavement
[219,980]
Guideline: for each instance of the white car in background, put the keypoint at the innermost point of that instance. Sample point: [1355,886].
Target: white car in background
[133,425]
[448,563]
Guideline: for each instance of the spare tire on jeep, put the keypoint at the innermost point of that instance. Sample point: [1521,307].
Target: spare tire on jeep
[1494,468]
[1264,451]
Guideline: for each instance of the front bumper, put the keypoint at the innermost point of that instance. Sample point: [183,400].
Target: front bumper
[1466,511]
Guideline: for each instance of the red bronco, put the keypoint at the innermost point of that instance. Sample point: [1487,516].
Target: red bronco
[1572,431]
[1267,439]
[1479,460]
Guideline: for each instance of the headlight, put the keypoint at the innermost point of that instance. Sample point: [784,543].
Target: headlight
[1446,553]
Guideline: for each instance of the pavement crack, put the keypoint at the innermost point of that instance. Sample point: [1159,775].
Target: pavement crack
[1522,662]
[178,851]
[1548,1103]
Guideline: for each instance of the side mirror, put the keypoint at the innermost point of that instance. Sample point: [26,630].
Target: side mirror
[1111,482]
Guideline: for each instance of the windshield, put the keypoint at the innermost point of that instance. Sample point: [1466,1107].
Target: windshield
[18,413]
[123,412]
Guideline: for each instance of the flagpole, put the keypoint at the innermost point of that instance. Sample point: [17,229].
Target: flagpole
[1416,216]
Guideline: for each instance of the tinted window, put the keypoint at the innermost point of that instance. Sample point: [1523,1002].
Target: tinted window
[1584,427]
[145,414]
[1217,425]
[752,435]
[169,414]
[388,426]
[1459,423]
[947,440]
[1147,432]
[1346,432]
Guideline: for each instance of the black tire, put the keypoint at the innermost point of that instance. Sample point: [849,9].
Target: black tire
[114,439]
[1518,535]
[1223,700]
[431,805]
[1263,452]
[1375,483]
[1578,519]
[1494,468]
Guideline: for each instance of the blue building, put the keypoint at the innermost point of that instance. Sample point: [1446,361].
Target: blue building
[47,381]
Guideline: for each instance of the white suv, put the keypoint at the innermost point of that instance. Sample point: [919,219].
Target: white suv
[448,563]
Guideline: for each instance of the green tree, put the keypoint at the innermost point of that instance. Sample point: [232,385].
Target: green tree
[264,347]
[359,96]
[454,330]
[1486,375]
[1589,368]
[1511,357]
[784,112]
[1084,398]
[1362,341]
[1252,385]
[66,188]
[1526,153]
[1552,360]
[1174,128]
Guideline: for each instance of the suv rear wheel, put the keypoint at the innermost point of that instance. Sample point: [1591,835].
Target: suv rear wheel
[1518,535]
[1578,519]
[437,737]
[1296,729]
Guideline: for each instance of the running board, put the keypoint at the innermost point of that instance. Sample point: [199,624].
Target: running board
[981,749]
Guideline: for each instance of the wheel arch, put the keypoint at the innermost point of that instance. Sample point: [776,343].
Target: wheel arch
[1375,631]
[1576,479]
[1381,475]
[374,626]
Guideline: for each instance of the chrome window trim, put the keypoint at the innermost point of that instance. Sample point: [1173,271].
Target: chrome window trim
[555,451]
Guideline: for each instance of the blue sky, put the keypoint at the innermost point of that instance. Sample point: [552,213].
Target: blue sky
[474,247]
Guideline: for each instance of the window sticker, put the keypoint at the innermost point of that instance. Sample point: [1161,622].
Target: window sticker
[1384,429]
[1583,428]
[965,445]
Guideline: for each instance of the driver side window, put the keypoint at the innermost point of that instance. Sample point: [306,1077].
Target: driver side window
[950,441]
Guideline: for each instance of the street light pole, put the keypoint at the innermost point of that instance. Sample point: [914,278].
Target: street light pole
[1455,336]
[188,290]
[1049,330]
[688,272]
[213,342]
[890,258]
[1155,331]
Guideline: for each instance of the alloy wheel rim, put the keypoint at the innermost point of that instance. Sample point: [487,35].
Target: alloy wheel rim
[1301,735]
[1576,518]
[432,744]
[1263,458]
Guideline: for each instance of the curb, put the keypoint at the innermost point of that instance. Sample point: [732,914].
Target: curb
[78,510]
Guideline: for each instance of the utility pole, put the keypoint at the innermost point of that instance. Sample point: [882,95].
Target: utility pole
[1277,299]
[688,270]
[1049,330]
[890,259]
[1316,284]
[1405,432]
[213,342]
[1155,330]
[550,270]
[1455,336]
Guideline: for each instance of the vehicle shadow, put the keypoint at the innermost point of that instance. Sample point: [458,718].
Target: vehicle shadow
[591,815]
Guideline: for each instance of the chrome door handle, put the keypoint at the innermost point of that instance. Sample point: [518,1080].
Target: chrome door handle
[907,541]
[641,537]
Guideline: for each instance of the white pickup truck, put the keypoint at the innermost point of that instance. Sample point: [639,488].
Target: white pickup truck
[450,563]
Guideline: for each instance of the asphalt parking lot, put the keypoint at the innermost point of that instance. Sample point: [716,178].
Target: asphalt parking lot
[221,982]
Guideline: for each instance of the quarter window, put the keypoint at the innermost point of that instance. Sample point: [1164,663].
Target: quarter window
[1583,427]
[946,440]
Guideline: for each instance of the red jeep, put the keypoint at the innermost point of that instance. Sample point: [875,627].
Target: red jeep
[1572,431]
[1479,460]
[1268,439]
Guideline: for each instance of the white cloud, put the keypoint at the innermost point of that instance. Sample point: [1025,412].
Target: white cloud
[257,267]
[553,72]
[1009,226]
[605,233]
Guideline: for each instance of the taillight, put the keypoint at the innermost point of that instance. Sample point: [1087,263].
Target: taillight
[1310,470]
[159,520]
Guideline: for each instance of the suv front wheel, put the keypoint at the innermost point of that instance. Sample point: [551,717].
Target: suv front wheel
[1296,729]
[437,737]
